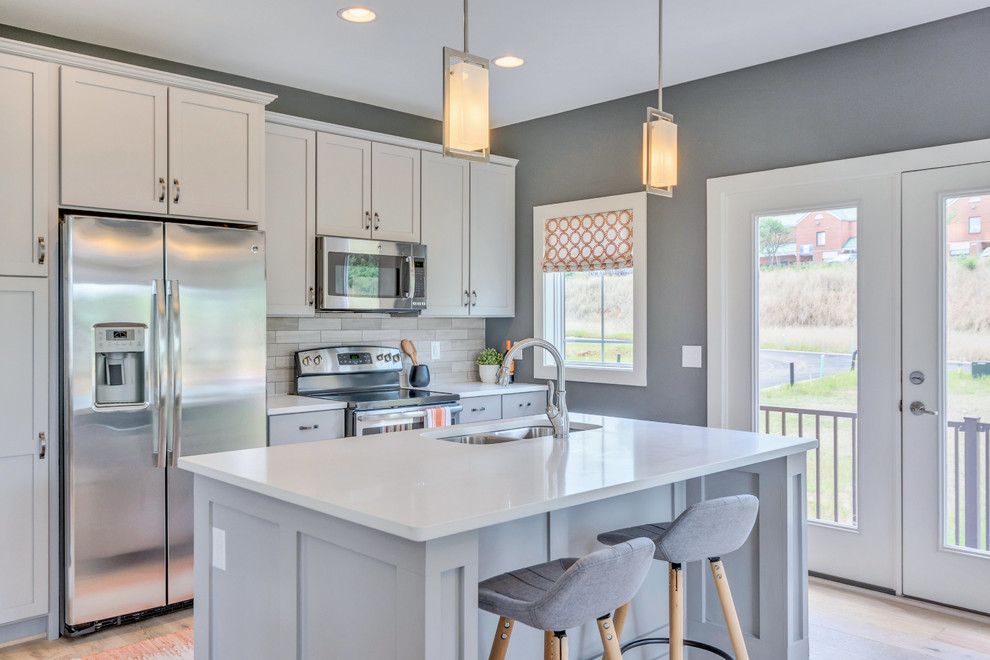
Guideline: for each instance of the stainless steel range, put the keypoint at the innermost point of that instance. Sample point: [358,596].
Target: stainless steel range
[368,380]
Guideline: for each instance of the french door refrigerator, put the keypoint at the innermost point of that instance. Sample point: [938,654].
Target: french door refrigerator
[163,355]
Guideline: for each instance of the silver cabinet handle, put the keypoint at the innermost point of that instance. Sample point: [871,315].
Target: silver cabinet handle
[312,295]
[474,298]
[176,198]
[41,250]
[175,355]
[44,445]
[309,428]
[467,297]
[367,220]
[481,409]
[918,408]
[161,182]
[378,221]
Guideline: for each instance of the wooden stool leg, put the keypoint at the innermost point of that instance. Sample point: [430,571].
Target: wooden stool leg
[676,591]
[554,645]
[610,638]
[502,635]
[729,609]
[619,620]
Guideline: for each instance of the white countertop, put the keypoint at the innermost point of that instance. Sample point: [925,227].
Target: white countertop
[418,487]
[285,404]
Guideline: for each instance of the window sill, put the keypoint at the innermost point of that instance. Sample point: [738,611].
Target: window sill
[635,377]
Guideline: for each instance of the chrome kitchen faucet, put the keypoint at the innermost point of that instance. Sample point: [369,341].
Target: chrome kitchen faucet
[556,395]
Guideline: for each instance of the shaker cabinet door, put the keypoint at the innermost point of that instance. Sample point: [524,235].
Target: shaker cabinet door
[395,193]
[24,113]
[445,198]
[215,156]
[114,136]
[23,463]
[343,186]
[290,220]
[493,231]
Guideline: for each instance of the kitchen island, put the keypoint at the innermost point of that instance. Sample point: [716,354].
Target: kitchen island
[373,546]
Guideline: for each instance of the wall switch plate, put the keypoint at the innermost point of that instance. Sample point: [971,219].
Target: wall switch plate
[691,357]
[434,350]
[219,549]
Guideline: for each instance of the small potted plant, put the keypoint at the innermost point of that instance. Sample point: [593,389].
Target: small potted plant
[489,360]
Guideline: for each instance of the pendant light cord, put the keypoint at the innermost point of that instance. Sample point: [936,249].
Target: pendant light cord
[659,53]
[466,27]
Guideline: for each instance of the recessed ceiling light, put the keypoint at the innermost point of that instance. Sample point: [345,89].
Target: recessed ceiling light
[357,15]
[509,61]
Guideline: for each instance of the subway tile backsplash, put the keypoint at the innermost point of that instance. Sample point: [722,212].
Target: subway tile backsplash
[460,339]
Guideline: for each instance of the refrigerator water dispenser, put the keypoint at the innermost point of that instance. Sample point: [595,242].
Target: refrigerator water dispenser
[120,362]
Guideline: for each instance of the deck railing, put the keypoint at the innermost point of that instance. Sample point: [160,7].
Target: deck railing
[968,483]
[832,473]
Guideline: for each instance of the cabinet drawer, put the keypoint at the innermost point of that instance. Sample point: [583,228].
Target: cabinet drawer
[481,409]
[305,427]
[525,403]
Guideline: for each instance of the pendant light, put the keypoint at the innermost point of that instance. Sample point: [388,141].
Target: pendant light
[660,137]
[465,102]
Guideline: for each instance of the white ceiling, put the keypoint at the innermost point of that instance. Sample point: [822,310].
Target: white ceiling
[578,52]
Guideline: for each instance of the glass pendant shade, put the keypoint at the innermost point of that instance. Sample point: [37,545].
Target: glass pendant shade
[659,153]
[466,131]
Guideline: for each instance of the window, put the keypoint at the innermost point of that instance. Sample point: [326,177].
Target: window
[589,288]
[821,238]
[975,225]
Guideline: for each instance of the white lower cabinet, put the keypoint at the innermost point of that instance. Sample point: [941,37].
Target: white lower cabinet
[468,228]
[23,448]
[291,428]
[524,403]
[290,220]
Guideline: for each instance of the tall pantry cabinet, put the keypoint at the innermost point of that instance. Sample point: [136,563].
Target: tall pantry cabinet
[25,107]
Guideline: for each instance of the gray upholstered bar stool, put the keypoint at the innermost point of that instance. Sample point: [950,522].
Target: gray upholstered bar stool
[709,530]
[566,593]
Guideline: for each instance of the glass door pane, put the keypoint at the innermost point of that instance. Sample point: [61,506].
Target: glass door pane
[808,321]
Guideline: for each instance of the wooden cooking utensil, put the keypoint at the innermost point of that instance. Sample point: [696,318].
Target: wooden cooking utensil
[410,350]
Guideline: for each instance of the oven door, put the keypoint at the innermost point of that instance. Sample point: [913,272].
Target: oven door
[365,275]
[391,420]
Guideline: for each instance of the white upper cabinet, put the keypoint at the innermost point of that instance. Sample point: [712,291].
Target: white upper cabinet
[343,186]
[395,193]
[215,156]
[23,448]
[290,220]
[24,113]
[133,145]
[366,189]
[446,234]
[493,236]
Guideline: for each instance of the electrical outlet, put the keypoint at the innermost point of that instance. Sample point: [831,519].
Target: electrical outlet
[435,350]
[219,549]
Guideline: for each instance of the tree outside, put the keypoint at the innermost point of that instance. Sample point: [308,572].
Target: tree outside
[774,234]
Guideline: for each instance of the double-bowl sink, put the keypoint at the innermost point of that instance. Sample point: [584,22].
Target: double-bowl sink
[509,435]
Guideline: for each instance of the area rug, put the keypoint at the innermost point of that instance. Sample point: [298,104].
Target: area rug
[175,646]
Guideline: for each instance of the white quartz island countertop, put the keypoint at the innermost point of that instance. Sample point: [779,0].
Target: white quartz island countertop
[418,487]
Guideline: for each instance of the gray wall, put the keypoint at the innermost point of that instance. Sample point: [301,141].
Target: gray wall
[915,88]
[291,100]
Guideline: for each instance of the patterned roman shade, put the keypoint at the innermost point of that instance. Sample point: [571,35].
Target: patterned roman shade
[593,242]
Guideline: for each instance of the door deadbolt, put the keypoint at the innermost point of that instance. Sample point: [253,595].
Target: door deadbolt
[917,377]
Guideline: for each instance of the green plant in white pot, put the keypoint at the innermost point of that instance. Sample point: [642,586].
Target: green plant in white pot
[489,360]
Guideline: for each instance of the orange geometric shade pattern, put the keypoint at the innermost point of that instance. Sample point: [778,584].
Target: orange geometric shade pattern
[593,242]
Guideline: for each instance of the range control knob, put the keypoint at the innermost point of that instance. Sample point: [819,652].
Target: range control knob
[306,360]
[317,360]
[380,357]
[395,357]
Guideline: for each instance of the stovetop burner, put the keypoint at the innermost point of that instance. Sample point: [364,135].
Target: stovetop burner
[392,398]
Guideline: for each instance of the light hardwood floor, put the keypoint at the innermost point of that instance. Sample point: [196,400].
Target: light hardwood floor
[846,624]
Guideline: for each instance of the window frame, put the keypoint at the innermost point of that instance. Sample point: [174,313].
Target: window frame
[820,239]
[548,320]
[979,224]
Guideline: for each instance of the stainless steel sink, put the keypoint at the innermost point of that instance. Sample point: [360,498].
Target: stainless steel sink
[508,435]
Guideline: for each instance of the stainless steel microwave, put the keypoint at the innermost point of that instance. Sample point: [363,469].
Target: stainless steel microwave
[361,275]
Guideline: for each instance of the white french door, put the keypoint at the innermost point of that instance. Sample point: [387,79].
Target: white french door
[946,385]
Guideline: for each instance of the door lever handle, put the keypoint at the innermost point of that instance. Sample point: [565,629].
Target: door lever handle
[918,408]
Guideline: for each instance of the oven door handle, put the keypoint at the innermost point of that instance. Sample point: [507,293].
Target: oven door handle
[401,413]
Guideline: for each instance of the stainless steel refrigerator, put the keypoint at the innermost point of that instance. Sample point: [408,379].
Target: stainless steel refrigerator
[163,355]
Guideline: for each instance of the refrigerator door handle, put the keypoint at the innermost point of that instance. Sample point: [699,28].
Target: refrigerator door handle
[175,369]
[159,373]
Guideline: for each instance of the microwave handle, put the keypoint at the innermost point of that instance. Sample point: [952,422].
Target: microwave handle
[410,277]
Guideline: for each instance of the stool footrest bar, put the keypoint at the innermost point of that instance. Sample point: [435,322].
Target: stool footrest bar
[666,640]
